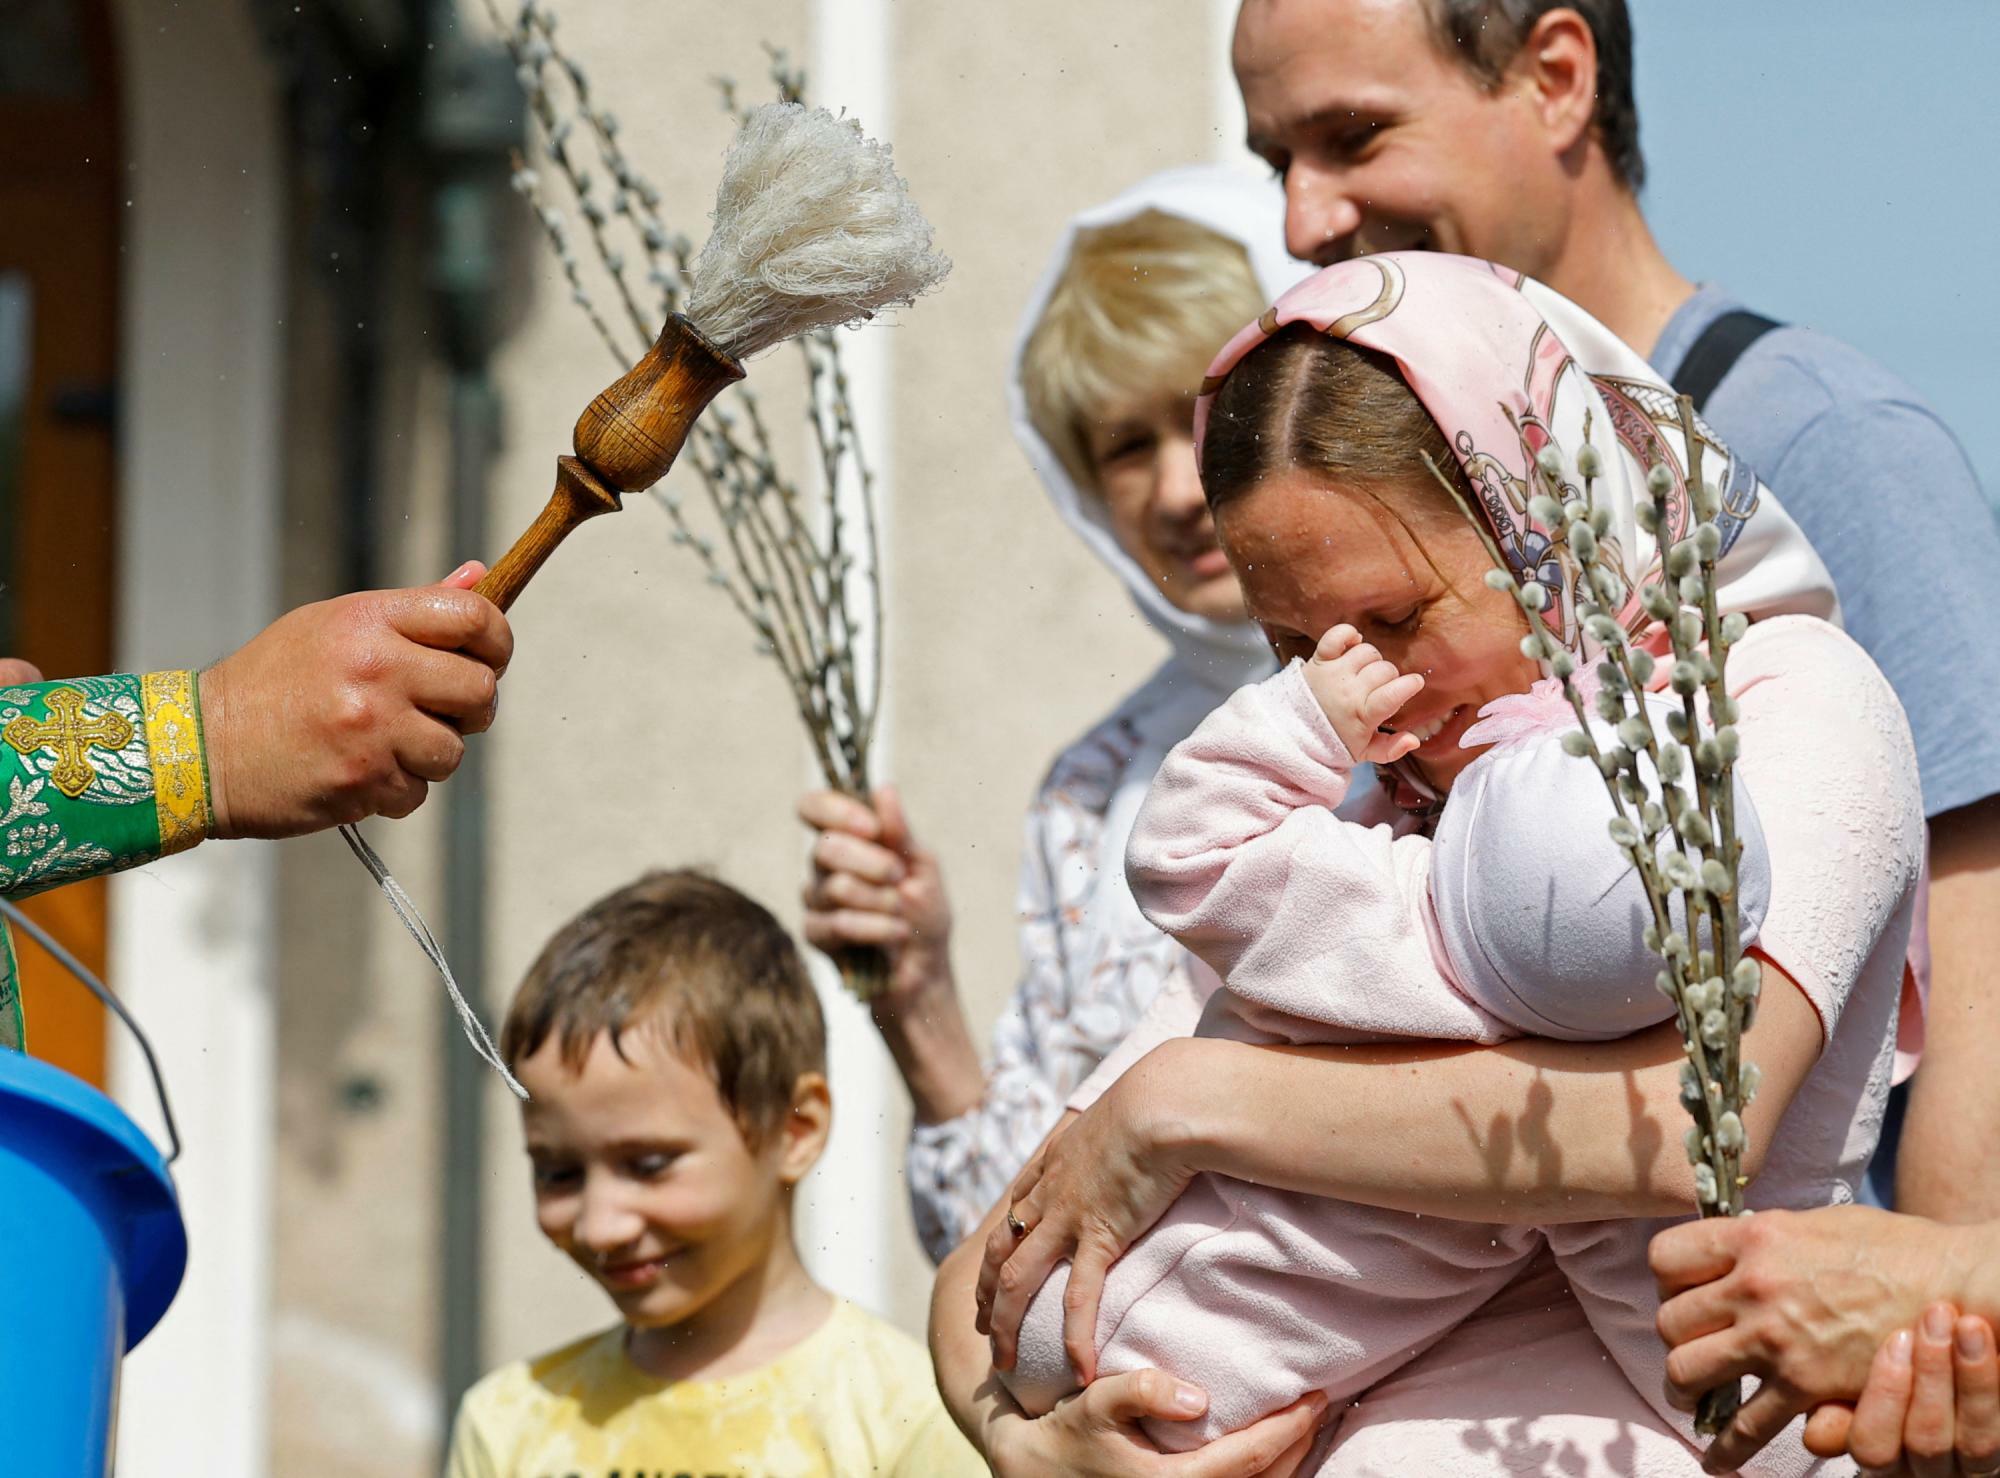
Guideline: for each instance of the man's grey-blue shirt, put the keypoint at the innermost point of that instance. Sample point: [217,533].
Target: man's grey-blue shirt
[1889,500]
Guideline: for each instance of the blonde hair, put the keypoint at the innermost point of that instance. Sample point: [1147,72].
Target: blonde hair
[1141,308]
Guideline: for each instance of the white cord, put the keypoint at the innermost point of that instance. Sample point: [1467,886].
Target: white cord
[420,931]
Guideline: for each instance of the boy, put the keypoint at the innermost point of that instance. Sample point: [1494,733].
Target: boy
[675,1058]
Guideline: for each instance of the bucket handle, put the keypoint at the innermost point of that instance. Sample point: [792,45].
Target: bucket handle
[112,1004]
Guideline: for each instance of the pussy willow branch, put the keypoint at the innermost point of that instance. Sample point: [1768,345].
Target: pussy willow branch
[790,583]
[1720,639]
[785,566]
[1683,847]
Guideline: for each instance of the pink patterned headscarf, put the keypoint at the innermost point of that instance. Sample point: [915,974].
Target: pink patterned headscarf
[1478,343]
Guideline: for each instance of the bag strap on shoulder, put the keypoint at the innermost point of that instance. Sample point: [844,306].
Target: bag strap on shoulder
[1715,352]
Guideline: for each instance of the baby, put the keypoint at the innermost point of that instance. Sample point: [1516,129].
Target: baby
[1519,918]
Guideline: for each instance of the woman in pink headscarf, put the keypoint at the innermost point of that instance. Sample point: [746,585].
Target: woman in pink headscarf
[1317,416]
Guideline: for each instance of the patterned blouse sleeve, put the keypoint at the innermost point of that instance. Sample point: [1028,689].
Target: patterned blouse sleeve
[1079,993]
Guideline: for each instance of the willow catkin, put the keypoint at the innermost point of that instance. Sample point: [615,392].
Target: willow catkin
[813,228]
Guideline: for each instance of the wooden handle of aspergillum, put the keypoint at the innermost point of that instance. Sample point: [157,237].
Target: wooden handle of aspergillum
[625,441]
[578,495]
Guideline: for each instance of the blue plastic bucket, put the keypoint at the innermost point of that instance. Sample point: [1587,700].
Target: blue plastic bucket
[92,1248]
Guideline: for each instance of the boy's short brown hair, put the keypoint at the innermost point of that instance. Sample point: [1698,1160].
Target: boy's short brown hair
[691,956]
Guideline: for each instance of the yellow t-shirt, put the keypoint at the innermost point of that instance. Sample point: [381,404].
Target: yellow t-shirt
[852,1399]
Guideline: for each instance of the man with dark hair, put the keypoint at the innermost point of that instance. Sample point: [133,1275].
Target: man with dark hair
[1507,129]
[1486,35]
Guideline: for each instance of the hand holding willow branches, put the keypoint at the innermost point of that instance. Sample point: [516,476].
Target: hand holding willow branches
[875,886]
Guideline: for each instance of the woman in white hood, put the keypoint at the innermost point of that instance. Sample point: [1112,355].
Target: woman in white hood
[1137,298]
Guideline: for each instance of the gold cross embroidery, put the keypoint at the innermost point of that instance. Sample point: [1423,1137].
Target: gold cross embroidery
[71,736]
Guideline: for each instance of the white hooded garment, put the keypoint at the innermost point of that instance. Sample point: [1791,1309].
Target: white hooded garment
[1091,963]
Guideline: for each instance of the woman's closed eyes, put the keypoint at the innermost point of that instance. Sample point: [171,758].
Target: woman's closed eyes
[1285,645]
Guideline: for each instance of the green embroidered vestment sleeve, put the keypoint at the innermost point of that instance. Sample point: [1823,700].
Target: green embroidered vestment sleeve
[99,774]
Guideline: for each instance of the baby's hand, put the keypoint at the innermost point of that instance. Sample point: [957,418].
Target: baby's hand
[1359,690]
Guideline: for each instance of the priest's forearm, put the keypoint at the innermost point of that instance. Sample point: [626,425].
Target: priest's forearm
[100,774]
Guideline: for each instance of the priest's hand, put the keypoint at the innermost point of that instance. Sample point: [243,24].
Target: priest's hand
[351,708]
[15,671]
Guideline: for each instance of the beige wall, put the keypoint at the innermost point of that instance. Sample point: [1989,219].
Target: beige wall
[1005,637]
[637,728]
[356,1178]
[199,455]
